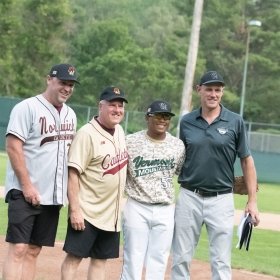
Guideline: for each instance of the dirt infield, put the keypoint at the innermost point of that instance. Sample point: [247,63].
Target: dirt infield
[50,259]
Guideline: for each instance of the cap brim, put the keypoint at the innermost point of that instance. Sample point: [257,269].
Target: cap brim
[117,98]
[161,112]
[213,82]
[67,79]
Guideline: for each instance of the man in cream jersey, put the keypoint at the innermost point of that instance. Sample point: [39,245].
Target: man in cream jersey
[97,173]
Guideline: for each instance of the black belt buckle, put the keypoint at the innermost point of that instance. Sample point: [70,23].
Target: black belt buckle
[205,193]
[210,194]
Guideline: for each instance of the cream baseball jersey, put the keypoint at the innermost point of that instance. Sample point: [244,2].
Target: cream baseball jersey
[47,135]
[101,160]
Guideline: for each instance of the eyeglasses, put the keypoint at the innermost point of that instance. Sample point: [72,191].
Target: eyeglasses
[159,116]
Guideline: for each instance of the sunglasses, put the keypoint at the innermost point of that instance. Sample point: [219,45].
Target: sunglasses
[159,116]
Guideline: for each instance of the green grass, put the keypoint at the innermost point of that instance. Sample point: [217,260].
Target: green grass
[3,163]
[4,216]
[62,226]
[265,195]
[263,255]
[267,199]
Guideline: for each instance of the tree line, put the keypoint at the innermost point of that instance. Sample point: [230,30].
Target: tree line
[141,46]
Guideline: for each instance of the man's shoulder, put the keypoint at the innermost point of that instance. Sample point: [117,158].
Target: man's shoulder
[135,140]
[86,129]
[230,115]
[135,135]
[175,141]
[173,138]
[119,127]
[26,105]
[191,115]
[28,100]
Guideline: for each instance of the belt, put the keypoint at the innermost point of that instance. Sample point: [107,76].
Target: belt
[151,203]
[205,193]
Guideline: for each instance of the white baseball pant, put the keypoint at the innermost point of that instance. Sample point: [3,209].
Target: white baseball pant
[147,231]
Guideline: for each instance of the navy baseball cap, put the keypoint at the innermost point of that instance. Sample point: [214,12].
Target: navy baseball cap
[211,77]
[65,72]
[159,106]
[112,93]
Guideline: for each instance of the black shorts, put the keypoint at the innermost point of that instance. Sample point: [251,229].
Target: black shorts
[30,224]
[92,242]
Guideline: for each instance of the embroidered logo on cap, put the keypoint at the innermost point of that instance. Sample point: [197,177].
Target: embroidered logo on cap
[163,106]
[71,71]
[214,75]
[116,91]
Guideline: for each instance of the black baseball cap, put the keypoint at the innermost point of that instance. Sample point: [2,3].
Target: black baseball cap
[159,106]
[65,72]
[211,77]
[112,93]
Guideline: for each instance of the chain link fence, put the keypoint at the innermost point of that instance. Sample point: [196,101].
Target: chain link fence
[264,138]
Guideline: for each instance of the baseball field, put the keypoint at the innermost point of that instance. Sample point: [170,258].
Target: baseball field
[262,257]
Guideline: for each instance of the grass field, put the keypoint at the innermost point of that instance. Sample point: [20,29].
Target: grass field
[263,256]
[3,163]
[264,253]
[265,201]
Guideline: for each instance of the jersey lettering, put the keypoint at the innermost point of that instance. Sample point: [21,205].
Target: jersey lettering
[112,164]
[63,137]
[144,167]
[50,128]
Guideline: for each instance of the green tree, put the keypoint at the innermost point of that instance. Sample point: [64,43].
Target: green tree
[9,24]
[108,55]
[35,37]
[142,46]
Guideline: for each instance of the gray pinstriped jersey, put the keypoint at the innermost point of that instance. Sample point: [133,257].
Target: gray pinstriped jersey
[47,136]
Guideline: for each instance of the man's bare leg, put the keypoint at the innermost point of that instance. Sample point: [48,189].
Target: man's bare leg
[97,269]
[69,267]
[14,261]
[29,262]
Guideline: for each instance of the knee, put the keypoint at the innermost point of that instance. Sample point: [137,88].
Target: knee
[98,263]
[71,261]
[33,251]
[19,250]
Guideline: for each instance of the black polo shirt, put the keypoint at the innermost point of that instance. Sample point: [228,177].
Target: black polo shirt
[211,150]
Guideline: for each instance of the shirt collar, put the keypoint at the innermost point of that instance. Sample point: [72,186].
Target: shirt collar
[223,114]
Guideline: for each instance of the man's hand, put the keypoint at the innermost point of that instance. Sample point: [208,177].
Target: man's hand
[77,220]
[252,209]
[31,195]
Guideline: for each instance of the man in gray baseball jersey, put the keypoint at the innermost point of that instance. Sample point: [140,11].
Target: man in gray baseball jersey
[213,136]
[38,137]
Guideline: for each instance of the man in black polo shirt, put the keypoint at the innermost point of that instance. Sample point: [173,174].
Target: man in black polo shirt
[214,137]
